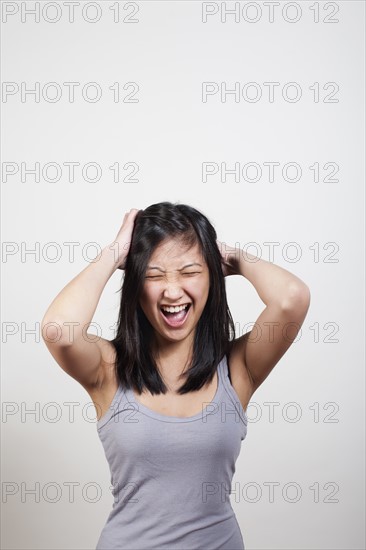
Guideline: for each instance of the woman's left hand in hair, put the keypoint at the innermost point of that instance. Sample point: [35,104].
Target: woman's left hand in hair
[229,259]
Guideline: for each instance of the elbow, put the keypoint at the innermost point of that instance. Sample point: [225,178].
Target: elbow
[298,297]
[51,332]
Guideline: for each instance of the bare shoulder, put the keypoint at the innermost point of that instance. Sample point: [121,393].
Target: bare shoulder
[103,392]
[239,374]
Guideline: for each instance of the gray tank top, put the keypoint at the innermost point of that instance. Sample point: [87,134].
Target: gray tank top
[171,476]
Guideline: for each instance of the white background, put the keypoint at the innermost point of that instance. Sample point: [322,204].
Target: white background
[169,133]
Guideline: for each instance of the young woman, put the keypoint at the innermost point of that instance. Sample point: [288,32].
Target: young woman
[172,388]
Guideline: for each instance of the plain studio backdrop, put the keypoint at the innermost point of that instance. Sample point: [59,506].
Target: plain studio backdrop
[255,117]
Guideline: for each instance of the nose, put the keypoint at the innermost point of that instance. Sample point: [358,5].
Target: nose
[172,289]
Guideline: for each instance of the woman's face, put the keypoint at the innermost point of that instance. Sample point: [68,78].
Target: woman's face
[175,275]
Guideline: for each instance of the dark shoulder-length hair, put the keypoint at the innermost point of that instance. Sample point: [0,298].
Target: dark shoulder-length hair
[135,364]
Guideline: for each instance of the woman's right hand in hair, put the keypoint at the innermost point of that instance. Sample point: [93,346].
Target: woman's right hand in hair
[123,238]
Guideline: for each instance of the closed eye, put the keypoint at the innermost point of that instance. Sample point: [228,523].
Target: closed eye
[159,276]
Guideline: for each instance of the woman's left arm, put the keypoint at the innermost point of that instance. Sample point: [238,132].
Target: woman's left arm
[287,300]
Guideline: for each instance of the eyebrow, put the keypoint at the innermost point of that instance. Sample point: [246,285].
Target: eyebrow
[181,269]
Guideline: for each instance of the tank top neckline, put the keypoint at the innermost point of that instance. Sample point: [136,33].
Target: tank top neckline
[169,418]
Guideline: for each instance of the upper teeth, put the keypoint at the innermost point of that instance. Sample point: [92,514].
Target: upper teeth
[174,309]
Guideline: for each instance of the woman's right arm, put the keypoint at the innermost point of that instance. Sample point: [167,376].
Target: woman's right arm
[65,323]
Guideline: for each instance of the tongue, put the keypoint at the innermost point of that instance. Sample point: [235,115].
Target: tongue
[179,316]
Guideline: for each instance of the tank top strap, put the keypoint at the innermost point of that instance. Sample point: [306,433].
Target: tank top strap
[113,408]
[230,391]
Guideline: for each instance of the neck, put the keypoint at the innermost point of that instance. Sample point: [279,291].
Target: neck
[173,358]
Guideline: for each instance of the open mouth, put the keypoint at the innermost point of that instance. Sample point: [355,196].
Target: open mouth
[176,318]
